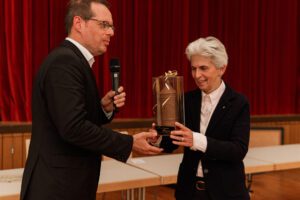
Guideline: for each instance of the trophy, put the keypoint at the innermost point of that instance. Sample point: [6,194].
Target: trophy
[168,100]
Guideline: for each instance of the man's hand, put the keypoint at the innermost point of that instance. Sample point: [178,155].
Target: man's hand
[155,141]
[111,99]
[141,145]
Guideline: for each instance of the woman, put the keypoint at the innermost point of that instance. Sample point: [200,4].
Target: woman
[216,134]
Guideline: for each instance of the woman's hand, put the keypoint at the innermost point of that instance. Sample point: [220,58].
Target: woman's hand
[182,136]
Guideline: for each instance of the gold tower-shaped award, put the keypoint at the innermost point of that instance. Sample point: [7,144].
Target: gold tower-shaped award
[168,101]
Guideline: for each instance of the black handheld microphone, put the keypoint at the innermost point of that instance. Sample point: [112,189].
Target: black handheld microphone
[114,67]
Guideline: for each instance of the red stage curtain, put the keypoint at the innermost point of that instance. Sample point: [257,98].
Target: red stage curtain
[261,39]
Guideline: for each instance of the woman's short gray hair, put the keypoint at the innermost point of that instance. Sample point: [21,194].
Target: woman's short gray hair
[209,47]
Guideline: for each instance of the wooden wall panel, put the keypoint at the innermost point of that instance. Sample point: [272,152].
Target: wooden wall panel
[7,142]
[291,130]
[12,153]
[265,137]
[18,150]
[26,136]
[1,151]
[294,132]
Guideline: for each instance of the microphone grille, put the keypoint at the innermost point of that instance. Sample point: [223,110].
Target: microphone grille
[114,65]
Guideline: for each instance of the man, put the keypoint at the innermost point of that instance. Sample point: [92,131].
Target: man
[67,114]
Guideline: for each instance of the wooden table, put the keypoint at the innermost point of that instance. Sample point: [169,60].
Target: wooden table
[253,166]
[114,176]
[166,166]
[10,184]
[160,170]
[282,156]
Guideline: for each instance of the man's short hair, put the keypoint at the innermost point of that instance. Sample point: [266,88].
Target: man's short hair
[80,8]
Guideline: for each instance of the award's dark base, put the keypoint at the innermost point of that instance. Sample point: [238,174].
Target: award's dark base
[164,130]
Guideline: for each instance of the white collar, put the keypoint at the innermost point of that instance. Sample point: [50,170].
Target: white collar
[216,94]
[88,56]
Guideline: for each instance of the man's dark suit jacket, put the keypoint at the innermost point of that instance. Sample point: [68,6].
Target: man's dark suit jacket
[227,144]
[67,138]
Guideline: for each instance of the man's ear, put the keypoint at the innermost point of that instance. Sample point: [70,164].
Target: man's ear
[77,23]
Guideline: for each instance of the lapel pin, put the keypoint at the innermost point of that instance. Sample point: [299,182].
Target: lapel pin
[223,107]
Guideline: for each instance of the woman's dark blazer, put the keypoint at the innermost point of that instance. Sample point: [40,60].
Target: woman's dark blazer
[227,144]
[67,138]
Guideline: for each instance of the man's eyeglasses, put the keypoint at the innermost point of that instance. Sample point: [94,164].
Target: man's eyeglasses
[104,24]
